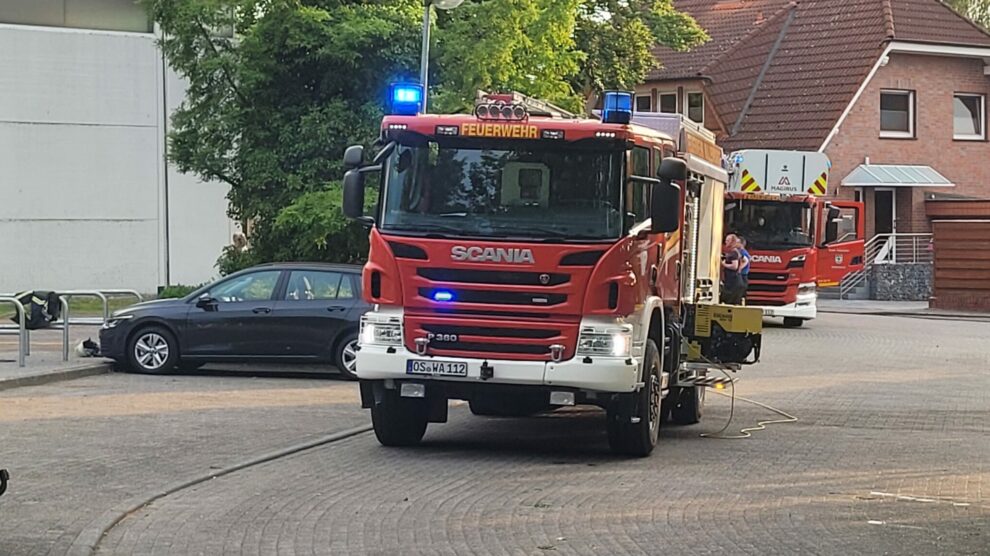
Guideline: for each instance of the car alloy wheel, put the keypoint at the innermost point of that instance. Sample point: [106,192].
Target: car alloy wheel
[348,357]
[151,351]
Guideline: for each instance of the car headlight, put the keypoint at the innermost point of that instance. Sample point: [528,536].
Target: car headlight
[115,320]
[616,343]
[381,333]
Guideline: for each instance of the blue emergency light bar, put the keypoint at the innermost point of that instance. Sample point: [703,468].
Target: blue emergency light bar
[617,107]
[406,99]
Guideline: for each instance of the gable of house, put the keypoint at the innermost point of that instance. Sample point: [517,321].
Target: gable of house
[782,73]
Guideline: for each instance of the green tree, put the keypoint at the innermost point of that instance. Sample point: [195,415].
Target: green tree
[617,38]
[271,106]
[977,10]
[278,88]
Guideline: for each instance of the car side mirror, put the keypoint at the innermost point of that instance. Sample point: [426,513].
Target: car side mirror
[206,301]
[353,157]
[353,204]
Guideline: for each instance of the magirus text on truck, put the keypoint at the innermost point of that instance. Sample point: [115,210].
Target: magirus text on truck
[524,259]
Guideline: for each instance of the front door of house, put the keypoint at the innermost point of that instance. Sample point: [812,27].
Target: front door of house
[884,213]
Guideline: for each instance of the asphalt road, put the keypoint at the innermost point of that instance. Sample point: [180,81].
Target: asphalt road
[889,455]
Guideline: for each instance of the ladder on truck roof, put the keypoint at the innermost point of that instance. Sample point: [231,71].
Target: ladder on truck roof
[534,106]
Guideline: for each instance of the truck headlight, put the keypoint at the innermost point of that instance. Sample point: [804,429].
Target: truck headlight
[616,343]
[807,290]
[381,333]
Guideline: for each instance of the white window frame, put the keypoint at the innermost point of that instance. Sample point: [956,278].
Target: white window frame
[909,134]
[666,93]
[983,118]
[687,105]
[636,101]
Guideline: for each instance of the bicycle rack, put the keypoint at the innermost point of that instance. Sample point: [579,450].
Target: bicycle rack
[23,341]
[65,322]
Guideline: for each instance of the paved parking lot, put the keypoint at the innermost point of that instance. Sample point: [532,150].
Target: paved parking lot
[889,456]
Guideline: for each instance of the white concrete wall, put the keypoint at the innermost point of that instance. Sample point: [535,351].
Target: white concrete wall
[83,183]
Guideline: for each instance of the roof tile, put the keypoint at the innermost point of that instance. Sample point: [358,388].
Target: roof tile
[825,52]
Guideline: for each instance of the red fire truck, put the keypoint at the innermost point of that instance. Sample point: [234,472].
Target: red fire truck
[799,241]
[524,260]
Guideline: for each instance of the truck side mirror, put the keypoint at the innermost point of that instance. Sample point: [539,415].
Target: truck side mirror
[665,202]
[672,169]
[353,157]
[832,215]
[665,207]
[353,204]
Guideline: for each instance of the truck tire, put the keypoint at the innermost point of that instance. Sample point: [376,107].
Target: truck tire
[793,322]
[399,421]
[633,421]
[686,405]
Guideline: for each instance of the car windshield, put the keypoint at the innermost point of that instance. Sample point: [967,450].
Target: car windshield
[531,189]
[771,225]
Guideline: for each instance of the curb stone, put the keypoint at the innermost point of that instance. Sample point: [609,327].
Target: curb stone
[47,377]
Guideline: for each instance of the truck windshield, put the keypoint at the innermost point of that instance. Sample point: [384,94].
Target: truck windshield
[771,225]
[528,189]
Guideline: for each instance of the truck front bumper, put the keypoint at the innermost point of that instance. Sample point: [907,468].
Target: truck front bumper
[801,309]
[598,374]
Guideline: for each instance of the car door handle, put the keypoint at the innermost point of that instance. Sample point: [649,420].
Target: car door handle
[258,310]
[336,308]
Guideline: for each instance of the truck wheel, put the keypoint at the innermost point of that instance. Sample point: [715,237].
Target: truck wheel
[686,405]
[634,420]
[399,421]
[793,322]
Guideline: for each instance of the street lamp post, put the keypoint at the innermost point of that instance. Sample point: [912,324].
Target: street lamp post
[424,62]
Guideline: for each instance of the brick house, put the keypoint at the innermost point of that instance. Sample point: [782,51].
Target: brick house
[894,91]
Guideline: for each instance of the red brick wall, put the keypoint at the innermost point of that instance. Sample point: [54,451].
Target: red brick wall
[934,79]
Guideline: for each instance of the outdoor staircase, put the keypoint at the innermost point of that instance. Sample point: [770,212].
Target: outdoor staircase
[881,249]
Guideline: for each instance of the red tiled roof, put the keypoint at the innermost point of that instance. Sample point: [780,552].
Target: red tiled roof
[931,21]
[819,53]
[726,21]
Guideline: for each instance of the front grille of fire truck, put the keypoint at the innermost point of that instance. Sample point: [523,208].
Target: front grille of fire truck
[482,319]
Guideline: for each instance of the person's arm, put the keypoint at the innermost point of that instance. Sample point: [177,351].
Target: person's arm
[731,264]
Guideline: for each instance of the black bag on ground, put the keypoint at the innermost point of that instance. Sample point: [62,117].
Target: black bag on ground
[41,308]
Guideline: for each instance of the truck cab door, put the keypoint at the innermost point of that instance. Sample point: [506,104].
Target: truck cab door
[842,244]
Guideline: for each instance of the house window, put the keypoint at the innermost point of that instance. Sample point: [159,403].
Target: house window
[896,113]
[668,103]
[696,107]
[969,117]
[644,104]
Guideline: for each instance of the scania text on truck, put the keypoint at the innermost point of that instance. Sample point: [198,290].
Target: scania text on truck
[523,259]
[799,240]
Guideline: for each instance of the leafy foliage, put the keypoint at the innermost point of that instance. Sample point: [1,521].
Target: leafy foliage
[277,89]
[617,38]
[976,10]
[177,291]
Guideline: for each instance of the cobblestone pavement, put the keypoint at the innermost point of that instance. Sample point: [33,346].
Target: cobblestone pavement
[890,456]
[77,449]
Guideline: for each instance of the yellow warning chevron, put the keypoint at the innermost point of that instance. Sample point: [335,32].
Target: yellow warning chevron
[749,184]
[820,185]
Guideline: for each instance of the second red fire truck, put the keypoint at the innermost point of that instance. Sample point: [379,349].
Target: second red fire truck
[799,240]
[523,259]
